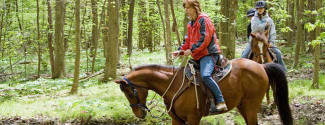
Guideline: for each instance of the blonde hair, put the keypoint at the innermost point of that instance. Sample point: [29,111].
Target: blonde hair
[194,4]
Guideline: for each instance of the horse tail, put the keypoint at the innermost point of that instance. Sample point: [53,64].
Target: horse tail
[279,84]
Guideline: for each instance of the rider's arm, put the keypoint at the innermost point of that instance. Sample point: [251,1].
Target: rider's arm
[272,36]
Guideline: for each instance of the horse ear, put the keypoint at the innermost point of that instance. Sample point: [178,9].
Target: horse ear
[120,82]
[253,35]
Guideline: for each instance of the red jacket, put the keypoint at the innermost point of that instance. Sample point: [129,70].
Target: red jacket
[201,38]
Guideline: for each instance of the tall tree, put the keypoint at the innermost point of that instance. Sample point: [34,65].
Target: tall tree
[175,27]
[50,35]
[59,63]
[38,42]
[143,21]
[113,40]
[164,27]
[228,28]
[311,35]
[124,21]
[291,21]
[300,30]
[317,52]
[74,88]
[168,34]
[95,34]
[130,27]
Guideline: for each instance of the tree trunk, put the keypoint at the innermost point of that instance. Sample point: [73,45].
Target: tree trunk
[74,88]
[291,22]
[124,22]
[175,27]
[300,30]
[168,32]
[50,35]
[113,40]
[151,29]
[143,18]
[317,52]
[95,33]
[130,27]
[228,28]
[312,34]
[1,27]
[38,42]
[164,28]
[59,63]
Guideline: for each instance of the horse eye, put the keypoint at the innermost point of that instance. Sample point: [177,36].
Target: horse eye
[122,88]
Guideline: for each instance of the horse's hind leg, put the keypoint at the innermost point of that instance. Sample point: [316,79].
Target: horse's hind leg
[249,109]
[268,95]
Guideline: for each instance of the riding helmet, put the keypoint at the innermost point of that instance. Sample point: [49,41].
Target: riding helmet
[261,4]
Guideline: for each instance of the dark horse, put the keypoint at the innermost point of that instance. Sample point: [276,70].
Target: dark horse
[244,87]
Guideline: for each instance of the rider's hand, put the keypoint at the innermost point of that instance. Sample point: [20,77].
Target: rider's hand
[187,52]
[177,53]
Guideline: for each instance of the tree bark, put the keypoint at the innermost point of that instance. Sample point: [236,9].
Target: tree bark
[228,28]
[113,40]
[50,35]
[143,18]
[74,88]
[164,28]
[59,63]
[38,43]
[130,27]
[168,32]
[312,34]
[95,33]
[317,52]
[175,27]
[291,22]
[300,30]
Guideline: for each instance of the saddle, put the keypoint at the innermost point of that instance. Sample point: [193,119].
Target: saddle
[223,68]
[271,52]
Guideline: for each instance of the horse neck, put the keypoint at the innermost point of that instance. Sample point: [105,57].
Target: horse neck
[159,81]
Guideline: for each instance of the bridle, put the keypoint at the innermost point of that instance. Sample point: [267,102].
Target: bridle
[135,93]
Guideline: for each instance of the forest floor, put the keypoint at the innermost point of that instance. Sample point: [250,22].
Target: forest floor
[46,101]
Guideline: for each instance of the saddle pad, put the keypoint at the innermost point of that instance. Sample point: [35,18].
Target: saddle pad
[217,76]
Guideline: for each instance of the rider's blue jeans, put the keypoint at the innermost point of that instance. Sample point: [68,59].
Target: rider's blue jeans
[276,50]
[206,69]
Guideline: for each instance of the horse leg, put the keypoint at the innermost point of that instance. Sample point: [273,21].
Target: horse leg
[250,109]
[193,120]
[268,95]
[176,122]
[242,112]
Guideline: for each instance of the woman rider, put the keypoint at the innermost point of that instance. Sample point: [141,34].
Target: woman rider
[258,23]
[202,44]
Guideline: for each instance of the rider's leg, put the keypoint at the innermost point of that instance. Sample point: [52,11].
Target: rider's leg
[246,51]
[206,69]
[279,58]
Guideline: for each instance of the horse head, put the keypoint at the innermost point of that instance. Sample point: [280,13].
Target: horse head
[136,96]
[260,45]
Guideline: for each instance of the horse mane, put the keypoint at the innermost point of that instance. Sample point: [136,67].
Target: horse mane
[155,67]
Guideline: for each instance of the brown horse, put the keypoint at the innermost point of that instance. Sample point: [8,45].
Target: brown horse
[260,46]
[244,87]
[260,51]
